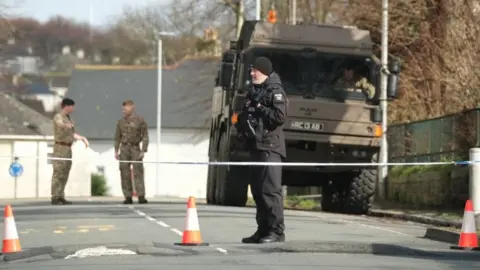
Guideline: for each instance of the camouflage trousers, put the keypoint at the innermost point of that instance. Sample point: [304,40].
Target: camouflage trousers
[61,169]
[131,153]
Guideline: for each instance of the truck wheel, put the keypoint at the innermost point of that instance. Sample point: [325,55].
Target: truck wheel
[351,194]
[211,185]
[211,172]
[231,181]
[361,192]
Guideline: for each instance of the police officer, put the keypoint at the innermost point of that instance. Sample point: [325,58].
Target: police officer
[130,131]
[266,109]
[63,136]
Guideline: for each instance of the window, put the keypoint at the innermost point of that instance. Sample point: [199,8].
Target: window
[312,72]
[290,66]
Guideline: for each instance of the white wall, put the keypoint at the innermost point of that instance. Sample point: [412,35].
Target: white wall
[50,101]
[60,91]
[175,180]
[35,181]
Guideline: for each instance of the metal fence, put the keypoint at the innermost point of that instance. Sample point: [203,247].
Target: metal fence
[444,138]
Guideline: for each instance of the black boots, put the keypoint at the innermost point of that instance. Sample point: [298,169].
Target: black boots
[256,238]
[60,201]
[141,200]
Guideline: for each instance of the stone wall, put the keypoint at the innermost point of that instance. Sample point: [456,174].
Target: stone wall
[432,187]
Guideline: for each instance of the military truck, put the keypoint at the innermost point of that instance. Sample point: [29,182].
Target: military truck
[324,124]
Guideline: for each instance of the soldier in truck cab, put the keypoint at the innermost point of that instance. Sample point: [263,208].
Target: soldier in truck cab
[352,83]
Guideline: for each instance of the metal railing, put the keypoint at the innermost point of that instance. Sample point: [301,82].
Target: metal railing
[443,138]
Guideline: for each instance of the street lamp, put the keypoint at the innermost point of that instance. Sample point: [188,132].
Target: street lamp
[159,35]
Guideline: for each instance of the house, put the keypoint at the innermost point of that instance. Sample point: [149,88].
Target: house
[58,84]
[17,58]
[33,87]
[186,109]
[27,134]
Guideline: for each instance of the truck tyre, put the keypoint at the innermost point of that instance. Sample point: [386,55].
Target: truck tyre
[353,195]
[211,185]
[231,181]
[361,192]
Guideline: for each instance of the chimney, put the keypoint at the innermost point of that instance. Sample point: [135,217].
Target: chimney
[66,50]
[80,54]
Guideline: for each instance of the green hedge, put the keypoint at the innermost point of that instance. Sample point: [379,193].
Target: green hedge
[99,185]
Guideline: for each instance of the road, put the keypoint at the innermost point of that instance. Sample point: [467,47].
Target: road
[148,233]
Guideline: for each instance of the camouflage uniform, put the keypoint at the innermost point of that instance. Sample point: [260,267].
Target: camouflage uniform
[129,133]
[63,139]
[361,85]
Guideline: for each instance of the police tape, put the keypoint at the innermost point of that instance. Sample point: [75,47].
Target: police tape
[282,164]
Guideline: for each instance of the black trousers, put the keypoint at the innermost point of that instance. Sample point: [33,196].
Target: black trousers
[266,187]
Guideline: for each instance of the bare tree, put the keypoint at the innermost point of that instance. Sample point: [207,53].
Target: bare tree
[5,12]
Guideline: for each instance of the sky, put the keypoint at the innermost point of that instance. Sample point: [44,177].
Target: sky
[101,10]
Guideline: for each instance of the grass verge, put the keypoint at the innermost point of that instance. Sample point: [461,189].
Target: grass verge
[295,202]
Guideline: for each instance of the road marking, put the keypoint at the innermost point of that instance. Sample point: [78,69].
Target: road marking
[176,231]
[26,231]
[99,251]
[83,229]
[165,225]
[95,226]
[221,250]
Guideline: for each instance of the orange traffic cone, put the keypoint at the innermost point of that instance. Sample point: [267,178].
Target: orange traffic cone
[11,243]
[191,234]
[468,235]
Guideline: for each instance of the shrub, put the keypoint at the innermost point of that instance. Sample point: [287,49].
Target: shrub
[99,185]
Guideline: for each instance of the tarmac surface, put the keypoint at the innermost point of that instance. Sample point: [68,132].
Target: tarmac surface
[107,235]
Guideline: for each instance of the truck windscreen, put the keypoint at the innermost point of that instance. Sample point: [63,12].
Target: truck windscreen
[290,66]
[320,75]
[333,73]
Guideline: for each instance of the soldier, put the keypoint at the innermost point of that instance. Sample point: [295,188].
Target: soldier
[265,108]
[131,130]
[64,136]
[351,84]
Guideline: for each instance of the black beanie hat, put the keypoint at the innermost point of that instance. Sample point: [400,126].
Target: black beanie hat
[263,65]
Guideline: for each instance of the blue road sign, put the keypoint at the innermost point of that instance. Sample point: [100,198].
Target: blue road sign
[16,169]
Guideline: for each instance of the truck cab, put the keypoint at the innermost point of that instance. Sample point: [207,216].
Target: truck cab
[327,121]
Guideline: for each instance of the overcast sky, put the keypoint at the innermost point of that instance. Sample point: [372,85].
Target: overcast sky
[97,12]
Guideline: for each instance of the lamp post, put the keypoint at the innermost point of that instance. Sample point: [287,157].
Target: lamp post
[159,103]
[383,170]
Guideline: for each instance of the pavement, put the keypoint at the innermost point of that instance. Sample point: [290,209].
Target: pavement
[103,234]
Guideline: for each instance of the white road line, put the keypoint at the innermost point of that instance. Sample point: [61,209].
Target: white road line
[176,231]
[165,225]
[221,250]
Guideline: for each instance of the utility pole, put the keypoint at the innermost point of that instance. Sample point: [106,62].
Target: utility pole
[258,10]
[294,12]
[240,10]
[383,169]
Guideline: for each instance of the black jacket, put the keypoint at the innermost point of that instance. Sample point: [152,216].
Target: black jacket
[268,104]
